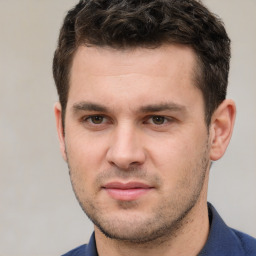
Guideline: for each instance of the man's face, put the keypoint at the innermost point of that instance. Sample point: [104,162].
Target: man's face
[135,139]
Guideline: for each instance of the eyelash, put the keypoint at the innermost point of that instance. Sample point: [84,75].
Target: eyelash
[162,118]
[88,119]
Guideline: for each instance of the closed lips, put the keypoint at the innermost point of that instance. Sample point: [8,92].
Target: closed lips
[124,186]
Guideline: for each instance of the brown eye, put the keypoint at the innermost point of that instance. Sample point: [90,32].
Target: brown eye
[97,119]
[158,120]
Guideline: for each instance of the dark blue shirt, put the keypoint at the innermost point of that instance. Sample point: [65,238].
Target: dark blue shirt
[222,241]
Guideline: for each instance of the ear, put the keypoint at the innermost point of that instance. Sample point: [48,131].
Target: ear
[58,118]
[221,128]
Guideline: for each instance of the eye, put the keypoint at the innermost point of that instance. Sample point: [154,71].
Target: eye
[95,119]
[158,120]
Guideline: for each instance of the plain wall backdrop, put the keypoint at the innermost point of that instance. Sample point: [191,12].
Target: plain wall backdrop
[39,215]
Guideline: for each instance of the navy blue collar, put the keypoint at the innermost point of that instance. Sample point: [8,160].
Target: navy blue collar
[91,249]
[222,240]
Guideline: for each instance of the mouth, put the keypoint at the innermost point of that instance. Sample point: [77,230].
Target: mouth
[127,191]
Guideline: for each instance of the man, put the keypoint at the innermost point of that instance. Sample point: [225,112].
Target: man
[142,114]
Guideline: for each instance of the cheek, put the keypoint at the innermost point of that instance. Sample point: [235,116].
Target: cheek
[85,150]
[172,151]
[176,157]
[85,159]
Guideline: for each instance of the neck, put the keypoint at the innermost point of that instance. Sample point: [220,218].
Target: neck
[189,239]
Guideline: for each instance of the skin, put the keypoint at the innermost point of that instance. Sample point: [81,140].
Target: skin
[137,116]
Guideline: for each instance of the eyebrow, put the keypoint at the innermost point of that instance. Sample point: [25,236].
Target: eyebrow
[163,107]
[89,106]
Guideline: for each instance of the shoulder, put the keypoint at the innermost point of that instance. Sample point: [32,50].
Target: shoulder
[79,251]
[247,242]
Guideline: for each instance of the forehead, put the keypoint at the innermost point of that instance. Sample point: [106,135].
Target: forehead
[130,76]
[110,61]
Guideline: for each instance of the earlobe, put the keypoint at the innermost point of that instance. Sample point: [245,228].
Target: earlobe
[59,126]
[221,128]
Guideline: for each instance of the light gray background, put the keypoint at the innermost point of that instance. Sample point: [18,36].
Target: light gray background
[39,214]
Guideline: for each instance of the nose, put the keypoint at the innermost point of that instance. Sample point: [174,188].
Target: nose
[126,149]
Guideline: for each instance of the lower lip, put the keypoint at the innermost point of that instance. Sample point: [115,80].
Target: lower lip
[127,194]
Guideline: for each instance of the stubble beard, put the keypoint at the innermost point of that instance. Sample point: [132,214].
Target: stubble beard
[165,222]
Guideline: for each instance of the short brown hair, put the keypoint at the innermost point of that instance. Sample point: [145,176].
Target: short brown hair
[143,23]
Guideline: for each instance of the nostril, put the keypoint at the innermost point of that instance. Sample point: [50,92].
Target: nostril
[125,161]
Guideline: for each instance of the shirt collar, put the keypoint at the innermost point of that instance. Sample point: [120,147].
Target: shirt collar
[222,240]
[91,247]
